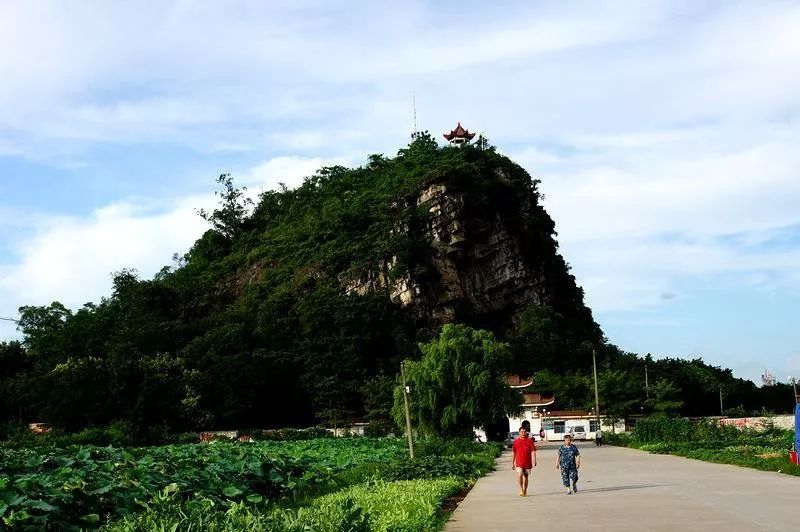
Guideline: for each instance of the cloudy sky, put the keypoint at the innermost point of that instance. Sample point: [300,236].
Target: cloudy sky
[665,134]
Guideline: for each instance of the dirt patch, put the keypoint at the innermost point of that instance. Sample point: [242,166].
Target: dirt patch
[451,503]
[770,455]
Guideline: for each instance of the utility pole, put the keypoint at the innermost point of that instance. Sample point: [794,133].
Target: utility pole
[596,394]
[646,382]
[408,415]
[721,410]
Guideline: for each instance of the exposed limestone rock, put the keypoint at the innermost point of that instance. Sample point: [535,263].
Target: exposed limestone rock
[476,261]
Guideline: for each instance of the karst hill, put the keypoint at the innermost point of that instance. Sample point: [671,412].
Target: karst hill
[286,311]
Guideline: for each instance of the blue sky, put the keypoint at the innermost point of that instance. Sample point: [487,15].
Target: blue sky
[665,135]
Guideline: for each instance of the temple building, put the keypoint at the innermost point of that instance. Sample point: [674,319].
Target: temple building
[459,135]
[537,409]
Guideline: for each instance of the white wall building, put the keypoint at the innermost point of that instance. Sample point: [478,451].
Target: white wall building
[536,409]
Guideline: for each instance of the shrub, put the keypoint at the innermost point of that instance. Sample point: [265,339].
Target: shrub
[403,505]
[378,429]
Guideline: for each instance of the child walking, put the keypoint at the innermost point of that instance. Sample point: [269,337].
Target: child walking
[568,461]
[523,459]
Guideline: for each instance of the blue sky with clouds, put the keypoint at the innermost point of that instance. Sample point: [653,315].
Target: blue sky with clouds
[665,135]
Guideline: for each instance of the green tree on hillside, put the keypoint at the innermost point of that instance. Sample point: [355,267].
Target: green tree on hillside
[229,218]
[459,383]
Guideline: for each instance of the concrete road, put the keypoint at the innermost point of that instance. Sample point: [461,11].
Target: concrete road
[624,489]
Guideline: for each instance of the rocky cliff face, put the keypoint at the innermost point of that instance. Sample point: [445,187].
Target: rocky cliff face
[475,259]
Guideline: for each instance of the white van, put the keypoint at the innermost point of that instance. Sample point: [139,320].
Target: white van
[578,432]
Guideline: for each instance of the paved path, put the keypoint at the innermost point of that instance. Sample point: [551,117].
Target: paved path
[625,489]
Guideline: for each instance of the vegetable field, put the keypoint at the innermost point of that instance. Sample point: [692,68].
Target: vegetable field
[272,485]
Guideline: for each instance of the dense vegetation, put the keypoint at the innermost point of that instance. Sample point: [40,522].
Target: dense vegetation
[251,327]
[705,439]
[459,383]
[195,484]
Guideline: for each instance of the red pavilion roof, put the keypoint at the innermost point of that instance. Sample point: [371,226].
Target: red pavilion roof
[459,133]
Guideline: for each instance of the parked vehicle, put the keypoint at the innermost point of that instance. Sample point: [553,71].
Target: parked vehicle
[510,439]
[578,432]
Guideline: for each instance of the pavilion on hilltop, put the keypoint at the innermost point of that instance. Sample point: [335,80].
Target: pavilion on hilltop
[459,135]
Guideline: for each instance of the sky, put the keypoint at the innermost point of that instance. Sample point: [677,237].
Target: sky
[665,134]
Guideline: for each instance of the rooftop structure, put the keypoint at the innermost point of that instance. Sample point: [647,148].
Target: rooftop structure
[459,135]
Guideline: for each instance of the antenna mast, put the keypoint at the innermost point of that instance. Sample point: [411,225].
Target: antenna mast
[414,106]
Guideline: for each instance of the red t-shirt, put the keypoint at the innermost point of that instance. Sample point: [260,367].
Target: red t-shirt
[523,447]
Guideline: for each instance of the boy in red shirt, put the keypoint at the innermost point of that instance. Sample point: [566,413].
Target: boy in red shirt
[523,459]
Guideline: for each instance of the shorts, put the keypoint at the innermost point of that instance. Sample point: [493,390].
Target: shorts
[524,471]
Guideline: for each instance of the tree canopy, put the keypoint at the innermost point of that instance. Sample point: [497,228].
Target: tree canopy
[459,383]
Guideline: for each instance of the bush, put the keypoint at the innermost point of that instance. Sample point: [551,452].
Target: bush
[620,439]
[463,466]
[311,433]
[453,446]
[118,434]
[378,429]
[708,440]
[403,505]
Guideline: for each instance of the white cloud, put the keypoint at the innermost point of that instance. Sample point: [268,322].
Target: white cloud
[71,258]
[665,134]
[638,212]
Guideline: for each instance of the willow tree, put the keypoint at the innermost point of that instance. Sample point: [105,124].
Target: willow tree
[459,383]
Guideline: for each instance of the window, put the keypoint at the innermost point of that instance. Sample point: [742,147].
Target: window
[559,427]
[593,425]
[548,425]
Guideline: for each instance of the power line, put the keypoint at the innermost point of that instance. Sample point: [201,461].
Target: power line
[9,319]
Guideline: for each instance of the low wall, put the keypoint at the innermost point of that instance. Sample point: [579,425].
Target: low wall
[784,422]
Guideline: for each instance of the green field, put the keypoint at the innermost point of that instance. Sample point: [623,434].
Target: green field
[366,483]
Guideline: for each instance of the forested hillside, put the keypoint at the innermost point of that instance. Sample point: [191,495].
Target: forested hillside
[297,309]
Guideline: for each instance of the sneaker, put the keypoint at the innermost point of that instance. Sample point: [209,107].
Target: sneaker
[569,491]
[574,488]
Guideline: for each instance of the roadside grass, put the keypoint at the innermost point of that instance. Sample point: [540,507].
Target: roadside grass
[766,450]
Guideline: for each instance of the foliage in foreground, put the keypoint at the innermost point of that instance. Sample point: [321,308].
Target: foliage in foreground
[79,486]
[412,505]
[87,486]
[709,441]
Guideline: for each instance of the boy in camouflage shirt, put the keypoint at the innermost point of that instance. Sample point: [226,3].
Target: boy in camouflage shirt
[568,461]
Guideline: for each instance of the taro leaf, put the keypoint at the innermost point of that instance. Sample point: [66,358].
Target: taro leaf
[3,508]
[83,454]
[101,490]
[254,498]
[33,462]
[40,505]
[91,519]
[63,461]
[11,498]
[232,491]
[3,483]
[17,517]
